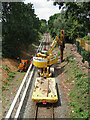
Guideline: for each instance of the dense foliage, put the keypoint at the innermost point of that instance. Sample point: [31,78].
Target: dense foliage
[43,27]
[51,24]
[20,26]
[85,54]
[74,19]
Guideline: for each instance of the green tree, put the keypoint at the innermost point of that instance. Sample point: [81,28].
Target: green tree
[51,24]
[43,27]
[19,26]
[74,19]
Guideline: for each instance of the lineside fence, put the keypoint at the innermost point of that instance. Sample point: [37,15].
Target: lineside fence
[84,53]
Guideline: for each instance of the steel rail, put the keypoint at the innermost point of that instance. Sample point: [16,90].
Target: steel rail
[44,110]
[8,116]
[24,94]
[18,94]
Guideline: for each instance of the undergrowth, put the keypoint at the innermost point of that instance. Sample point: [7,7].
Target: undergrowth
[79,95]
[10,74]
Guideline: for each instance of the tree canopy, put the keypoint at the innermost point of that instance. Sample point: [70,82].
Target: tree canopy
[74,19]
[43,27]
[20,26]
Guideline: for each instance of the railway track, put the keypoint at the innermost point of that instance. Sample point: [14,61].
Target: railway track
[22,103]
[44,111]
[46,42]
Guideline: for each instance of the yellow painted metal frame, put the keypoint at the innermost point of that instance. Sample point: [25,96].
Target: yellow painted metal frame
[40,91]
[42,62]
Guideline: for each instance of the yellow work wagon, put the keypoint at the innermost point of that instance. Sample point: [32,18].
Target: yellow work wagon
[45,90]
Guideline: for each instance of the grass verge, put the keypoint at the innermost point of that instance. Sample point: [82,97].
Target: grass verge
[79,95]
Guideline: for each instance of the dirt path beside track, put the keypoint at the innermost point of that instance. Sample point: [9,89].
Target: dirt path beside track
[65,79]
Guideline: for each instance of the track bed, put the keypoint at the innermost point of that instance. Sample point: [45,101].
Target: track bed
[44,111]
